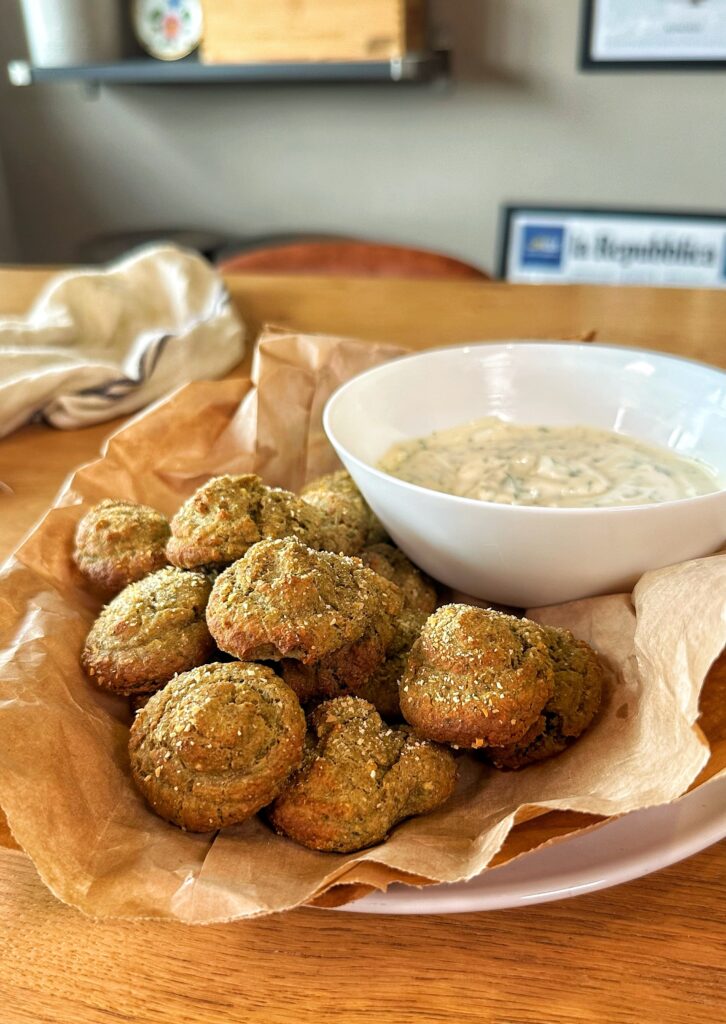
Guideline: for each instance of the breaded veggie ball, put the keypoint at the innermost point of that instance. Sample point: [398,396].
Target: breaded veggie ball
[284,600]
[343,671]
[216,745]
[119,542]
[476,677]
[349,669]
[349,523]
[578,683]
[382,688]
[359,778]
[150,631]
[419,593]
[371,668]
[228,514]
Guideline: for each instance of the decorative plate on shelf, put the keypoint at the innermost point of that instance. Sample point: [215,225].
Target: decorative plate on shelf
[168,29]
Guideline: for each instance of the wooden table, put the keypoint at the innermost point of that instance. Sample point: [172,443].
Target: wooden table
[650,951]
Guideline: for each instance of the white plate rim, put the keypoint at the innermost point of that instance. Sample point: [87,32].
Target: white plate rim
[617,855]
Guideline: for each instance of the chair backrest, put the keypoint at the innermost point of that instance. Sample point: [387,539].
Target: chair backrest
[350,258]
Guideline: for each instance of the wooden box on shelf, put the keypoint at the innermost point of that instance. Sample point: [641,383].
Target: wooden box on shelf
[244,31]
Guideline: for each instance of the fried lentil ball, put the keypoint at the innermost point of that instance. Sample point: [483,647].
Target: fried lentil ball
[342,671]
[216,745]
[119,542]
[349,523]
[228,514]
[151,630]
[351,668]
[578,683]
[284,600]
[372,666]
[419,593]
[382,687]
[359,778]
[476,677]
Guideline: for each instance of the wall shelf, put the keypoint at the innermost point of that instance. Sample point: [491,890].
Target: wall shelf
[411,69]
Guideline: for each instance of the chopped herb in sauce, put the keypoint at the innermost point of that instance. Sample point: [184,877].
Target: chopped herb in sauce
[565,467]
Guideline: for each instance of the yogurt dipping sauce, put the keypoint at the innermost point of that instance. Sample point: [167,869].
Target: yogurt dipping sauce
[558,467]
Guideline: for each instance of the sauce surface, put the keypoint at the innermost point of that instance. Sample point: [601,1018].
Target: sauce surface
[559,467]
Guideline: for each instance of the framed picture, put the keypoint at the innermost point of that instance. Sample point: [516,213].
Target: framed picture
[653,35]
[574,245]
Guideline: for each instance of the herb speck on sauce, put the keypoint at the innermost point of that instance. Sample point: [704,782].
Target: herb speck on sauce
[558,467]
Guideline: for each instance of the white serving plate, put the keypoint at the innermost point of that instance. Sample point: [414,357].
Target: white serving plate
[624,849]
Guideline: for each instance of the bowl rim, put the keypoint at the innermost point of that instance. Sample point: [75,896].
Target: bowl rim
[507,343]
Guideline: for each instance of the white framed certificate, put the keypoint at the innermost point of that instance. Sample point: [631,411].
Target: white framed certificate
[557,245]
[653,34]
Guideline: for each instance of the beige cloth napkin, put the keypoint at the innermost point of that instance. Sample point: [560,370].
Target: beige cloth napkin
[101,343]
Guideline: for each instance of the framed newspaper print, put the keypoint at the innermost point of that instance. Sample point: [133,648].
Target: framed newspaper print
[577,245]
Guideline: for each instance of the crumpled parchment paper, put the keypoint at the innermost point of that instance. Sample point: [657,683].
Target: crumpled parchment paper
[64,779]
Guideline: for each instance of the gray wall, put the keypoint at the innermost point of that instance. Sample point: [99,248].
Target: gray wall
[419,166]
[8,245]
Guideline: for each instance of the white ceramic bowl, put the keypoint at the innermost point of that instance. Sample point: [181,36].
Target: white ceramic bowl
[527,556]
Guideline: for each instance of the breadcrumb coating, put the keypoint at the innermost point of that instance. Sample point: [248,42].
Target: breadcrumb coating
[284,600]
[578,684]
[476,677]
[150,631]
[419,592]
[349,523]
[228,514]
[216,745]
[359,778]
[120,542]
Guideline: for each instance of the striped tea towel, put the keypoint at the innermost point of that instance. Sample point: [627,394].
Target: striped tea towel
[100,343]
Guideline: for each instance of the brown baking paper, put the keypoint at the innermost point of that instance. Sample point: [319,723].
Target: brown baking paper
[64,778]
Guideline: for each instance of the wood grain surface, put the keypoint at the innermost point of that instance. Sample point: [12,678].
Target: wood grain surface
[650,951]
